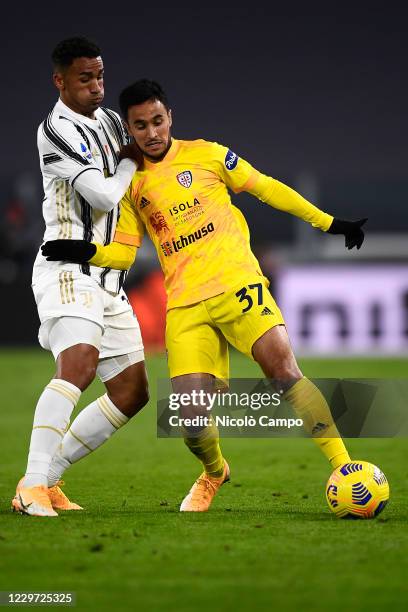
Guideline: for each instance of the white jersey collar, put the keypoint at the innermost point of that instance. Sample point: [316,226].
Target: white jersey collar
[65,110]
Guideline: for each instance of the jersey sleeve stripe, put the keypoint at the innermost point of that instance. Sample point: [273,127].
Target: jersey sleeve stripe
[129,239]
[58,141]
[51,158]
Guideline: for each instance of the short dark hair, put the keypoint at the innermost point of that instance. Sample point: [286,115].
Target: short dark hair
[140,92]
[69,49]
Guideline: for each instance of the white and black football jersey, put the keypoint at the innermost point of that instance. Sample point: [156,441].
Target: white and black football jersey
[70,144]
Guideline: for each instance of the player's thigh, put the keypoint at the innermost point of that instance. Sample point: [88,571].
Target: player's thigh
[194,344]
[274,354]
[121,366]
[75,343]
[121,333]
[245,313]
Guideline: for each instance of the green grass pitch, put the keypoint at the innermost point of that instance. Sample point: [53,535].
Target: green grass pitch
[268,542]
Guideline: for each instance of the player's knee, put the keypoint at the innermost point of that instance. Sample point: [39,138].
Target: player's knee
[286,369]
[130,402]
[288,372]
[84,375]
[86,371]
[78,365]
[88,374]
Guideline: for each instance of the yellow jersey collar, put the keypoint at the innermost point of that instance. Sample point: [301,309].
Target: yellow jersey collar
[170,155]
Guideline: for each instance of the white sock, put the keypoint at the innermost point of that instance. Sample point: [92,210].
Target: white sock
[51,420]
[92,427]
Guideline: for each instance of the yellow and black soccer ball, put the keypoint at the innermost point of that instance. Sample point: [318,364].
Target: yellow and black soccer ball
[357,490]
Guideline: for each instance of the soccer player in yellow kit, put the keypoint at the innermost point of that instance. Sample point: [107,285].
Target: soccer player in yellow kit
[216,291]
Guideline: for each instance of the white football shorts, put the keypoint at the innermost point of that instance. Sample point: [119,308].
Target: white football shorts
[87,313]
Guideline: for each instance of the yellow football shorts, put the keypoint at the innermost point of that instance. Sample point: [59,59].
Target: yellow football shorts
[197,335]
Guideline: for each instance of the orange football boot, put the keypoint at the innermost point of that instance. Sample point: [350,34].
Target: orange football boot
[33,501]
[59,500]
[203,491]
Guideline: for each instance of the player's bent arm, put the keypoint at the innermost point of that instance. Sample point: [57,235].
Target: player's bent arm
[282,197]
[119,254]
[104,193]
[114,255]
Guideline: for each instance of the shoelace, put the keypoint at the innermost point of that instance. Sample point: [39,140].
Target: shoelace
[208,486]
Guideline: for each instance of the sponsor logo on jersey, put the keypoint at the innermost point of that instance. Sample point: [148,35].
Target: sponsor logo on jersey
[182,207]
[158,222]
[185,178]
[144,202]
[181,242]
[231,160]
[85,151]
[166,248]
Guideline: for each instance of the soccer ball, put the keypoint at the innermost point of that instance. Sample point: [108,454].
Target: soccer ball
[357,490]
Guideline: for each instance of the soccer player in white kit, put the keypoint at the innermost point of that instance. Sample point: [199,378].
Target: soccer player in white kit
[87,322]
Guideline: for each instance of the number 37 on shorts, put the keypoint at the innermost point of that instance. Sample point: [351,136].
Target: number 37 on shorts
[254,302]
[246,296]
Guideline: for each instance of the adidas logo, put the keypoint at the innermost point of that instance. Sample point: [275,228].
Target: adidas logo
[319,427]
[266,311]
[144,202]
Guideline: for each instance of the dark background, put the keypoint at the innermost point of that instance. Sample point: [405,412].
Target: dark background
[297,91]
[290,90]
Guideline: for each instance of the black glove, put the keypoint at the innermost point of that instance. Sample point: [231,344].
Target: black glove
[76,251]
[351,230]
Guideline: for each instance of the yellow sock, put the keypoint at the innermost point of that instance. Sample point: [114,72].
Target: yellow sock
[206,447]
[310,405]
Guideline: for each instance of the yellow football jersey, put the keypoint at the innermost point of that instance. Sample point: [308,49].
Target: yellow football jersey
[201,238]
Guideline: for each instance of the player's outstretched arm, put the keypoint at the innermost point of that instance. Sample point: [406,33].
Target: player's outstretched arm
[284,198]
[114,255]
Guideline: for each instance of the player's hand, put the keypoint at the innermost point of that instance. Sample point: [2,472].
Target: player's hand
[132,151]
[350,229]
[75,251]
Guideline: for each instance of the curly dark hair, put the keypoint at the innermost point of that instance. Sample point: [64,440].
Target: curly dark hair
[140,92]
[69,49]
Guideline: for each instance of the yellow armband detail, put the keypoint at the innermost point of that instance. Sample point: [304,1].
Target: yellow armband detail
[114,255]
